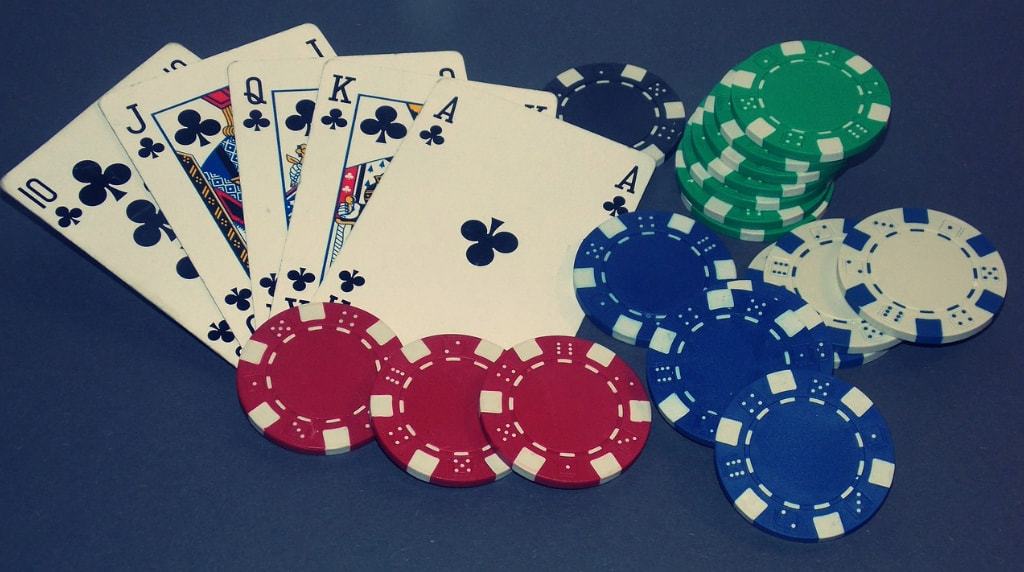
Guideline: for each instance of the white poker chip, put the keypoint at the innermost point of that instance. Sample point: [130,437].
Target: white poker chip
[922,275]
[804,261]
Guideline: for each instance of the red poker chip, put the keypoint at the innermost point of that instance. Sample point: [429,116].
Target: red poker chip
[565,412]
[423,409]
[304,377]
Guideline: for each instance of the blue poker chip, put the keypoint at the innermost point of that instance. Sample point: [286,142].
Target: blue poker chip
[622,102]
[804,455]
[722,340]
[634,270]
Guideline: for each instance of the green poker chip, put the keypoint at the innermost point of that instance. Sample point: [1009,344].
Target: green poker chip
[739,183]
[752,234]
[730,133]
[812,101]
[730,207]
[729,159]
[739,216]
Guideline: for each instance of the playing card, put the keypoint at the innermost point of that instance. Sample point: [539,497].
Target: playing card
[275,101]
[365,115]
[475,226]
[85,187]
[180,132]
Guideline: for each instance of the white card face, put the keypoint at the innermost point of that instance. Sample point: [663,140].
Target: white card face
[475,226]
[368,113]
[274,101]
[180,132]
[85,187]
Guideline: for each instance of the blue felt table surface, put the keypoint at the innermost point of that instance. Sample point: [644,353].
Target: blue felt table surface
[123,445]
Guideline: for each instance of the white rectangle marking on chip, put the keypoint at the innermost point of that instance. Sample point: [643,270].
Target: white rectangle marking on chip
[829,526]
[337,440]
[311,312]
[881,473]
[422,465]
[382,406]
[857,401]
[491,402]
[253,351]
[606,466]
[263,415]
[640,411]
[529,463]
[750,505]
[583,278]
[728,431]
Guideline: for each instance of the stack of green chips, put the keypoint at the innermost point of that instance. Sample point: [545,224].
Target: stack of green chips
[760,154]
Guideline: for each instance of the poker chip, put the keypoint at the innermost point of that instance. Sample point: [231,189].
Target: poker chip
[803,455]
[565,412]
[734,215]
[723,131]
[727,159]
[729,193]
[741,184]
[633,270]
[735,203]
[841,358]
[721,341]
[748,234]
[423,409]
[304,377]
[622,102]
[921,275]
[810,100]
[738,222]
[804,262]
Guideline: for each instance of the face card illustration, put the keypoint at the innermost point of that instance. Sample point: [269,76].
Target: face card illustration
[475,226]
[365,115]
[181,134]
[274,101]
[85,187]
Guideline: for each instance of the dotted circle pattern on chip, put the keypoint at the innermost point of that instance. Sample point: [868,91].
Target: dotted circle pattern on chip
[633,270]
[423,408]
[623,102]
[803,455]
[922,275]
[565,412]
[723,339]
[810,100]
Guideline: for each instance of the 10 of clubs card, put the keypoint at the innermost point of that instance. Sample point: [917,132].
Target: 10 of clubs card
[475,226]
[180,132]
[85,187]
[367,114]
[275,102]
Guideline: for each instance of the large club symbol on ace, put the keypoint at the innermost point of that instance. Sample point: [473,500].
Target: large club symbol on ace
[487,242]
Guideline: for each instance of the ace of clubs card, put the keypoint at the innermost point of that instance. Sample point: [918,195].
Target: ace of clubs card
[475,226]
[180,134]
[366,113]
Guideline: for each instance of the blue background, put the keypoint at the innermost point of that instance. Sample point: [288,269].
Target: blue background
[121,440]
